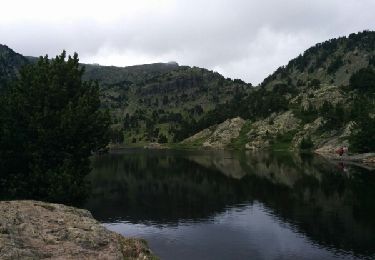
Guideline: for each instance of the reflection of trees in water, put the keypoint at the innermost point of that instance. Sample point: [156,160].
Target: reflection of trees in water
[332,207]
[53,186]
[160,188]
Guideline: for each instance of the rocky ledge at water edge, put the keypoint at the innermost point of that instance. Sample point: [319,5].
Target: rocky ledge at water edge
[39,230]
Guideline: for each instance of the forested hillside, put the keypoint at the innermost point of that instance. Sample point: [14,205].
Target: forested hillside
[155,102]
[151,102]
[10,63]
[321,99]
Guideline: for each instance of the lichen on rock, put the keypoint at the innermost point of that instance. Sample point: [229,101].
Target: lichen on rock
[39,230]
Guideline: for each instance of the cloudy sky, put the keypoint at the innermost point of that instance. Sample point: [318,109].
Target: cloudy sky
[245,39]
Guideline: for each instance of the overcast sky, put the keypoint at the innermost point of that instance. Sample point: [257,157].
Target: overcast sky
[245,39]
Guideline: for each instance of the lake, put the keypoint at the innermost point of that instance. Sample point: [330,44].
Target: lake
[236,205]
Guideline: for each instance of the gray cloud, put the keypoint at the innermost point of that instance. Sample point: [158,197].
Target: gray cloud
[245,39]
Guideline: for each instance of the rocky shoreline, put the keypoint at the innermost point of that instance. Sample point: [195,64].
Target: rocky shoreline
[39,230]
[366,160]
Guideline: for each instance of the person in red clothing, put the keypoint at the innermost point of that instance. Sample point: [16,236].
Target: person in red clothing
[340,151]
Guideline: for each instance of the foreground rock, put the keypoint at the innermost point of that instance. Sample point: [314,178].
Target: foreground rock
[38,230]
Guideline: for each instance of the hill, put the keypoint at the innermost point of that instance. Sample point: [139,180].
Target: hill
[150,102]
[154,102]
[10,63]
[323,99]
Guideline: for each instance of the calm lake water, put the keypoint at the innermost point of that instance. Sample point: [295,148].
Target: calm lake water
[236,205]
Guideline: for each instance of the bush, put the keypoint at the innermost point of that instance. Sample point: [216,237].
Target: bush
[362,139]
[363,80]
[335,65]
[163,139]
[314,83]
[306,144]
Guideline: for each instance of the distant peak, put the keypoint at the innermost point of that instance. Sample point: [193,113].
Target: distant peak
[172,63]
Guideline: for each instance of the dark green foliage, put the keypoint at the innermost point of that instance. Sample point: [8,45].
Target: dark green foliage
[335,116]
[362,138]
[314,83]
[371,61]
[116,136]
[335,65]
[50,124]
[282,89]
[283,141]
[306,144]
[163,139]
[307,115]
[10,63]
[363,80]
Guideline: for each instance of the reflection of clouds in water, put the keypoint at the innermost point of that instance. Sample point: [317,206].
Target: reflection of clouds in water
[239,232]
[157,191]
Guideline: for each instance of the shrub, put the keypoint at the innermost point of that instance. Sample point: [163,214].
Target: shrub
[363,80]
[306,143]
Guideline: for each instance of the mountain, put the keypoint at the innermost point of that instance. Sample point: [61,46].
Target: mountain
[10,63]
[323,99]
[107,75]
[331,62]
[149,102]
[154,102]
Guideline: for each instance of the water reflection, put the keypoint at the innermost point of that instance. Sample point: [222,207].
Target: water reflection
[332,204]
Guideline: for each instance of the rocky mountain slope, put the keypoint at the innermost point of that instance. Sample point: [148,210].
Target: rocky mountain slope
[218,136]
[322,99]
[317,101]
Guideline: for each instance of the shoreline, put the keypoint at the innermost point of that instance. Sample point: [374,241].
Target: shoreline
[366,160]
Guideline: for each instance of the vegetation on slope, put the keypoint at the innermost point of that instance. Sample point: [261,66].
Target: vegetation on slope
[326,84]
[329,88]
[160,102]
[10,63]
[50,123]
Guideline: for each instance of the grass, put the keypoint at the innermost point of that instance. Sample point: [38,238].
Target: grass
[240,142]
[283,142]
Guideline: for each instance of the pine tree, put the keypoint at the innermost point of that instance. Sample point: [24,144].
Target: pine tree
[51,122]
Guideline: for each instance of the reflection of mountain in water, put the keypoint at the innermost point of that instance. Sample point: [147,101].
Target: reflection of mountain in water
[330,205]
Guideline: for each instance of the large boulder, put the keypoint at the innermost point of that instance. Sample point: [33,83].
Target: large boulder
[225,133]
[39,230]
[218,136]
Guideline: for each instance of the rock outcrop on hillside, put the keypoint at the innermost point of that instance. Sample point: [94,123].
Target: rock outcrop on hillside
[39,230]
[219,136]
[263,131]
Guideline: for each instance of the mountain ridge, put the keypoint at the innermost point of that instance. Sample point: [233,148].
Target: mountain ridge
[167,103]
[328,92]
